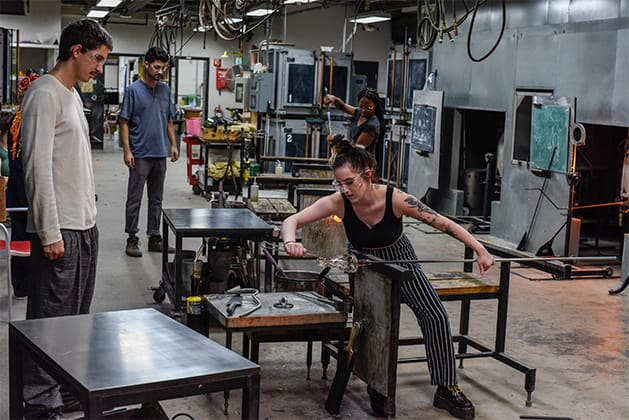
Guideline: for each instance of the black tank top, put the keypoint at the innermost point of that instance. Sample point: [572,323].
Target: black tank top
[383,234]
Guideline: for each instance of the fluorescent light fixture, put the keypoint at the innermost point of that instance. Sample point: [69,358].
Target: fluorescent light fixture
[259,12]
[97,14]
[108,3]
[287,2]
[373,17]
[201,28]
[233,20]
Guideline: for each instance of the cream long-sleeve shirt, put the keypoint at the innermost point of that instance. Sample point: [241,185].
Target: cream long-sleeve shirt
[57,157]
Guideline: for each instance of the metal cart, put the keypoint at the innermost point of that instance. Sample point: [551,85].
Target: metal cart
[240,224]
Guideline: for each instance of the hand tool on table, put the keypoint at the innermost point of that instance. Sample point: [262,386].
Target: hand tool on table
[343,371]
[349,263]
[237,300]
[233,303]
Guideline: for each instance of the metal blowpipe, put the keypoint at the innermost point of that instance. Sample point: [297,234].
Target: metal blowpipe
[349,263]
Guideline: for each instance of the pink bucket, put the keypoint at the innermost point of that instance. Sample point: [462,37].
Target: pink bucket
[193,126]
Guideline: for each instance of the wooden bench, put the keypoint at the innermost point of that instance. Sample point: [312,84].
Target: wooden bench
[377,357]
[467,286]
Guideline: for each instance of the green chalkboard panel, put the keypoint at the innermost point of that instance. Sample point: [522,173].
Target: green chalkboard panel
[549,130]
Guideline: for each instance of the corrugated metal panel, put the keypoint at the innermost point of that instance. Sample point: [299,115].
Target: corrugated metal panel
[493,78]
[525,13]
[587,10]
[453,71]
[536,61]
[585,70]
[620,100]
[558,11]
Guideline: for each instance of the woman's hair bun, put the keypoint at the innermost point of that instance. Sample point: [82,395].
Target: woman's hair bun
[341,144]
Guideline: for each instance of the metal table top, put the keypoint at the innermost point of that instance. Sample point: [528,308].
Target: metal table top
[304,312]
[126,349]
[217,222]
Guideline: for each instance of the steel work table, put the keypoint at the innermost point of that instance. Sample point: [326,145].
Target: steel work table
[201,223]
[128,357]
[305,321]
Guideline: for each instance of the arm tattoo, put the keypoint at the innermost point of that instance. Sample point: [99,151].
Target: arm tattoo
[421,207]
[431,217]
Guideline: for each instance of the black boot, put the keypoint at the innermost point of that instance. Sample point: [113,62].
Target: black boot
[451,398]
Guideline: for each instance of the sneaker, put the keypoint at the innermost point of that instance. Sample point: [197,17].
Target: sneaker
[156,245]
[452,399]
[133,247]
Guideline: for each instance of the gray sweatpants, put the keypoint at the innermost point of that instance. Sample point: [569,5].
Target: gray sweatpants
[151,171]
[57,288]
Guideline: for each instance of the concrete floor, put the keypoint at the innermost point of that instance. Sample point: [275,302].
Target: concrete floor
[573,332]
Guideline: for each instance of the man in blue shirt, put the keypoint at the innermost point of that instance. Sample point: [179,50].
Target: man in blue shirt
[147,134]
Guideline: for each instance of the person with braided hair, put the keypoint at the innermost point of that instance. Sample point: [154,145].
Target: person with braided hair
[367,125]
[372,217]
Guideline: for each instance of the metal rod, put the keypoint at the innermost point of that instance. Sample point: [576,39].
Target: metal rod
[400,151]
[465,260]
[321,78]
[393,79]
[592,206]
[331,72]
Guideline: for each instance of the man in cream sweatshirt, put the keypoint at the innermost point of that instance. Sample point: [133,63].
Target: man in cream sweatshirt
[59,183]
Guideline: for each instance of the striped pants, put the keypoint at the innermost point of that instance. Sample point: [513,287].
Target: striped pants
[57,288]
[431,315]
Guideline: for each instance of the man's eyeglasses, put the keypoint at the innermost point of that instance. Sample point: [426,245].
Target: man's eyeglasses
[350,183]
[158,67]
[100,60]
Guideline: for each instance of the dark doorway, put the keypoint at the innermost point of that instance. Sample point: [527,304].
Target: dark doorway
[482,139]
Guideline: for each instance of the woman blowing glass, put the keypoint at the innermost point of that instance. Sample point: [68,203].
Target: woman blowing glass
[372,217]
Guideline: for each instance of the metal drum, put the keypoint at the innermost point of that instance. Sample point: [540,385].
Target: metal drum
[298,281]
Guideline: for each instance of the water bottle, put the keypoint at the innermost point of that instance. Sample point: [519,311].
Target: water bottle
[278,168]
[254,191]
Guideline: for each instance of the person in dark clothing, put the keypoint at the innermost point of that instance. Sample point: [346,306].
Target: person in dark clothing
[367,125]
[16,194]
[372,216]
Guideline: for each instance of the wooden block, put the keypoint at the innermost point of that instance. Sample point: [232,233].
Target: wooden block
[457,283]
[262,207]
[282,206]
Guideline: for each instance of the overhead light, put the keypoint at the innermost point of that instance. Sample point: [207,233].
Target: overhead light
[259,12]
[287,2]
[373,17]
[108,3]
[202,28]
[97,13]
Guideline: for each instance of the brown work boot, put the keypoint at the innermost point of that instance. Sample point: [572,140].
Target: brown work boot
[133,246]
[451,398]
[156,245]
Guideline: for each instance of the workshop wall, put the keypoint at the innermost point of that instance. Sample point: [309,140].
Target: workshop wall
[41,26]
[573,48]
